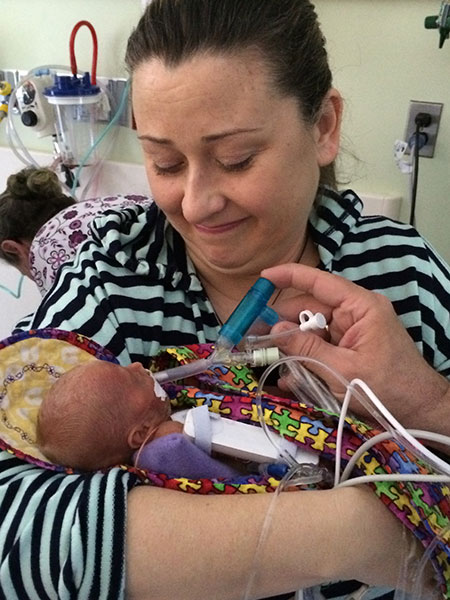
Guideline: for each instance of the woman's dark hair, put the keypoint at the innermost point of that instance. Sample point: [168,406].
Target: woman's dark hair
[32,197]
[286,33]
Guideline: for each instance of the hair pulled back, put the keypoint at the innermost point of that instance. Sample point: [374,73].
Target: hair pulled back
[32,197]
[286,33]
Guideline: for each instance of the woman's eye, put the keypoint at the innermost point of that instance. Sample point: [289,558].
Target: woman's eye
[237,166]
[167,170]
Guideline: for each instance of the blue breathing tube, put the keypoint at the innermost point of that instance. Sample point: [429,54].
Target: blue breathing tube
[252,306]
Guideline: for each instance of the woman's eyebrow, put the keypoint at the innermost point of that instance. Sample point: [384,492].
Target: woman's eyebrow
[206,138]
[218,136]
[155,140]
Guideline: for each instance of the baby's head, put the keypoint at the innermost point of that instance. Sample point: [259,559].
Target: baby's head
[97,414]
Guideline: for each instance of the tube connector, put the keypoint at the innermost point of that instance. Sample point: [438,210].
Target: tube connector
[252,306]
[260,357]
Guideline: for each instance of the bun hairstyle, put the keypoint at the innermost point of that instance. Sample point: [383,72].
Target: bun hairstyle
[39,182]
[32,197]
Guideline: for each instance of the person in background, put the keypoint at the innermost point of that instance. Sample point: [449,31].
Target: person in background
[240,126]
[32,197]
[41,227]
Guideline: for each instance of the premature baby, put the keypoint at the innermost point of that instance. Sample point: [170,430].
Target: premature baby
[101,414]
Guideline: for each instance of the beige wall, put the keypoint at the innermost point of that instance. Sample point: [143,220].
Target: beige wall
[383,57]
[380,52]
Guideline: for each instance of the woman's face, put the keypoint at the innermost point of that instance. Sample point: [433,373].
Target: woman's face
[229,161]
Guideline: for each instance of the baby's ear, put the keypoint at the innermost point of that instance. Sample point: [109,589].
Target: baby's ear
[139,434]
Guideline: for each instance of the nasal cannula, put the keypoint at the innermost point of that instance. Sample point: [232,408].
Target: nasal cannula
[252,307]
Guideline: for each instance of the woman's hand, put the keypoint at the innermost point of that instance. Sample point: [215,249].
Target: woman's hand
[366,340]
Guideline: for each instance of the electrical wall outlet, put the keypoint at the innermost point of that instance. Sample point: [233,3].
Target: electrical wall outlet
[432,108]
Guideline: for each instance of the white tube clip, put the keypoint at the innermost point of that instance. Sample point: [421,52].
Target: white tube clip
[311,321]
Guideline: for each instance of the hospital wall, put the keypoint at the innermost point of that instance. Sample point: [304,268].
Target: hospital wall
[380,53]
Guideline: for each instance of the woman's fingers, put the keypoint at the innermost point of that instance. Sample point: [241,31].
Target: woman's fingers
[332,290]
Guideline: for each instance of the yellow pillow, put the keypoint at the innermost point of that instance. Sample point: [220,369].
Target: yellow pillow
[28,368]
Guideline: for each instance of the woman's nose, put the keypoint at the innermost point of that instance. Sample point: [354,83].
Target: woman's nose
[202,196]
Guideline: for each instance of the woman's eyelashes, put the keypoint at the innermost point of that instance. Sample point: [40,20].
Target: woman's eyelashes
[240,165]
[226,165]
[167,170]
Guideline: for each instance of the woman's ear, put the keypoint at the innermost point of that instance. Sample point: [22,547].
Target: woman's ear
[11,247]
[19,252]
[328,128]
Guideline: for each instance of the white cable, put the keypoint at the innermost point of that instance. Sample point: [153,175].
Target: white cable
[369,401]
[394,425]
[365,447]
[273,437]
[340,433]
[385,435]
[394,429]
[394,477]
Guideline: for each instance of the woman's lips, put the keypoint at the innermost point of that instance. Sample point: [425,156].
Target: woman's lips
[220,228]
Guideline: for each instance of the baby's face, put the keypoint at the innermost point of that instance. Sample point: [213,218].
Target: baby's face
[132,381]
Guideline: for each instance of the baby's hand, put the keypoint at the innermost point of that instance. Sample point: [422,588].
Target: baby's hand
[167,428]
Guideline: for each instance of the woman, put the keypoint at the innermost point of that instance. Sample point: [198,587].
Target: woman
[41,228]
[239,125]
[32,197]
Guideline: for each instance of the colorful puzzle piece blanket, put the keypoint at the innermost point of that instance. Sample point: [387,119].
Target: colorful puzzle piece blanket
[31,362]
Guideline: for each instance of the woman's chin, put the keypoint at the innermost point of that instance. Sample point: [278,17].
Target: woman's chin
[228,264]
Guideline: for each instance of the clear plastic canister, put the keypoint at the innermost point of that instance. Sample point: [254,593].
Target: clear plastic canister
[77,106]
[77,127]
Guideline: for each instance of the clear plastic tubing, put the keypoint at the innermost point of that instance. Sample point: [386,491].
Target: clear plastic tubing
[253,358]
[193,368]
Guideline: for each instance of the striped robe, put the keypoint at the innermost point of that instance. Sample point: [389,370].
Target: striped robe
[132,289]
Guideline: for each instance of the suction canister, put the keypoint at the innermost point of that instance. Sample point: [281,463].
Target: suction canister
[77,103]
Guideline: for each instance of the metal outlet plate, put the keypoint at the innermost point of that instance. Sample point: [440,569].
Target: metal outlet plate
[435,110]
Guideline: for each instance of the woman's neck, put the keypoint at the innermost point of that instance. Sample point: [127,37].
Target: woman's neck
[226,289]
